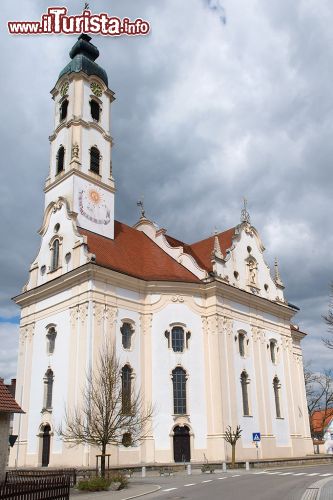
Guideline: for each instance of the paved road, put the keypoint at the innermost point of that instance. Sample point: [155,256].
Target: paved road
[279,484]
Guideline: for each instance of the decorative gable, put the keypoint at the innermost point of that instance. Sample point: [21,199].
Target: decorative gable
[244,266]
[62,248]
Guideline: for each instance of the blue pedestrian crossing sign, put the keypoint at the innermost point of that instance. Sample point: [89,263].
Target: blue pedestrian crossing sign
[256,437]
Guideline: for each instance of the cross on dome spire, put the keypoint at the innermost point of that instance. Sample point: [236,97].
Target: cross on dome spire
[141,205]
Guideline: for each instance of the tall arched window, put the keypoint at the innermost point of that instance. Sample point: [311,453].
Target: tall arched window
[241,344]
[126,389]
[277,387]
[63,109]
[245,396]
[51,336]
[60,159]
[55,255]
[126,335]
[48,389]
[272,349]
[94,159]
[179,391]
[177,339]
[94,110]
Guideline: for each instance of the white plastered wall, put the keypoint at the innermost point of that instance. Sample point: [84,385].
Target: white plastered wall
[164,360]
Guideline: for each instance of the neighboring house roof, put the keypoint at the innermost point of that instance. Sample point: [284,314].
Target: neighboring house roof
[12,387]
[320,421]
[7,402]
[131,252]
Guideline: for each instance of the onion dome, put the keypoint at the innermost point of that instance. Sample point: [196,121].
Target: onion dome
[83,55]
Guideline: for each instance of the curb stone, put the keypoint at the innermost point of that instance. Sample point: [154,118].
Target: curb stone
[156,488]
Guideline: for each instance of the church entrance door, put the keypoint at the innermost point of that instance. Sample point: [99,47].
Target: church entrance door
[181,444]
[46,438]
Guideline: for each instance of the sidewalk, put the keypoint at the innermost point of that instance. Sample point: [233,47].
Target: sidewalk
[134,489]
[320,490]
[326,491]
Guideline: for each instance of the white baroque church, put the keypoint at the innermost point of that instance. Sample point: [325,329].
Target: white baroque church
[202,329]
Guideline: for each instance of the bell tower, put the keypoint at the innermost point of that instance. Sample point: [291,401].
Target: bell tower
[80,157]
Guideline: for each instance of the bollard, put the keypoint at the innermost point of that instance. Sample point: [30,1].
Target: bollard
[224,467]
[143,471]
[189,469]
[247,466]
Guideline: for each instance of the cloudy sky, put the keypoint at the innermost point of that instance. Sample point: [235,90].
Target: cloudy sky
[224,99]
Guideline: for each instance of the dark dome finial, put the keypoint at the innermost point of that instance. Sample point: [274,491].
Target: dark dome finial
[83,55]
[83,46]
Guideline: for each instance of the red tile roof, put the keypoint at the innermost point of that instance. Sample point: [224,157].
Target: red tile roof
[320,420]
[202,250]
[131,252]
[7,402]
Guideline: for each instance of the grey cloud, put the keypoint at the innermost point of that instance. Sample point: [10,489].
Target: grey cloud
[8,350]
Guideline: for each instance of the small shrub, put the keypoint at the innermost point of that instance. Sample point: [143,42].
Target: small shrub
[94,484]
[118,477]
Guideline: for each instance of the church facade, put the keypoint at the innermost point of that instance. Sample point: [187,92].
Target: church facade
[202,329]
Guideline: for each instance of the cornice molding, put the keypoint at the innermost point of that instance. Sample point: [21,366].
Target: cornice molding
[77,121]
[93,271]
[83,175]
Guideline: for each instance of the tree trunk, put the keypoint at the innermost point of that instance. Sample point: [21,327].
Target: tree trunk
[233,454]
[103,460]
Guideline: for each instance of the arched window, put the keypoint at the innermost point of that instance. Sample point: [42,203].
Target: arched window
[94,160]
[272,350]
[277,387]
[60,159]
[48,389]
[177,339]
[179,391]
[126,389]
[55,255]
[126,335]
[241,344]
[51,336]
[94,110]
[245,396]
[63,109]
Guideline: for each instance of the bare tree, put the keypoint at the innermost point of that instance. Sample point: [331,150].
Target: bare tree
[328,318]
[232,437]
[111,412]
[319,395]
